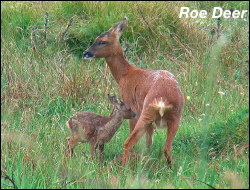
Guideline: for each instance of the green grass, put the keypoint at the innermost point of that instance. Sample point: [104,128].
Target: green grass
[42,85]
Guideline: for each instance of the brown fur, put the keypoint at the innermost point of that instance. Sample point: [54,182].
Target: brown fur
[141,89]
[95,129]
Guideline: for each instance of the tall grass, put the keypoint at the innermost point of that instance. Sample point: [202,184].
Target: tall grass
[44,81]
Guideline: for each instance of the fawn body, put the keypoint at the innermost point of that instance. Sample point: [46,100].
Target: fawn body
[95,129]
[154,95]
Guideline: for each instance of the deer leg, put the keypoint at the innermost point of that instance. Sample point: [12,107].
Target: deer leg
[149,130]
[132,123]
[101,150]
[138,131]
[92,149]
[71,145]
[172,129]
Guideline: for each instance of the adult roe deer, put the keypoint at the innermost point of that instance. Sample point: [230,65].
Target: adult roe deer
[95,129]
[154,95]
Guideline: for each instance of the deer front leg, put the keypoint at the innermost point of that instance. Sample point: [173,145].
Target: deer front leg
[101,150]
[92,149]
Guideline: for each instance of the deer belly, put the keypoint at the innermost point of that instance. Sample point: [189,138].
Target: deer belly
[103,140]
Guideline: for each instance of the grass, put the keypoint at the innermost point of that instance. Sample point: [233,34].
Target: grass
[45,83]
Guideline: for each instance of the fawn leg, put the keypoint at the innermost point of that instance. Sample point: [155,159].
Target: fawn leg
[149,133]
[138,131]
[172,129]
[71,145]
[69,151]
[92,149]
[101,150]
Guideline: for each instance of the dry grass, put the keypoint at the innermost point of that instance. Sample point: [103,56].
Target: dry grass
[44,81]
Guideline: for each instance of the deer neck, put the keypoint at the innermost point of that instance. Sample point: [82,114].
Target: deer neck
[114,123]
[118,64]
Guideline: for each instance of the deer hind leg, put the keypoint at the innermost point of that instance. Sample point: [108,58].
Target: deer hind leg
[101,151]
[150,131]
[172,129]
[72,142]
[138,131]
[132,123]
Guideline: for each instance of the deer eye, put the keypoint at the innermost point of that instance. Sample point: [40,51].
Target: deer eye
[102,43]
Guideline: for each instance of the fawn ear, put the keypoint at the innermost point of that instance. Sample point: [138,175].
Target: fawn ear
[119,27]
[120,102]
[112,99]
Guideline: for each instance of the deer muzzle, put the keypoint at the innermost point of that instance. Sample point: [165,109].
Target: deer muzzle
[88,55]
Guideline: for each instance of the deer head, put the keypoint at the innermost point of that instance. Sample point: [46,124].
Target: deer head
[106,44]
[122,108]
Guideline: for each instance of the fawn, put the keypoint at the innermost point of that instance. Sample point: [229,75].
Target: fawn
[154,95]
[95,129]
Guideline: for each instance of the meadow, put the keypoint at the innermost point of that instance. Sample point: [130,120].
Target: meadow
[44,81]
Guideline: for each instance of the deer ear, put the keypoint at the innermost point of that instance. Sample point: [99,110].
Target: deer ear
[112,99]
[119,27]
[121,102]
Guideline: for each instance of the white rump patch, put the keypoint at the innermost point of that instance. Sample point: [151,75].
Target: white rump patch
[162,74]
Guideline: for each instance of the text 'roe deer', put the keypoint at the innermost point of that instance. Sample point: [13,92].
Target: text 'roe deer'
[154,95]
[95,129]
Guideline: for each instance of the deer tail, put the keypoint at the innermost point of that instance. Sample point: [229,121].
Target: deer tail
[161,106]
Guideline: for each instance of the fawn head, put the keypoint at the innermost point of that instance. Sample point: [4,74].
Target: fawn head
[122,108]
[106,44]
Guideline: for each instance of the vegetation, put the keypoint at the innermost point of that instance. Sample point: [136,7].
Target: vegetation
[44,81]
